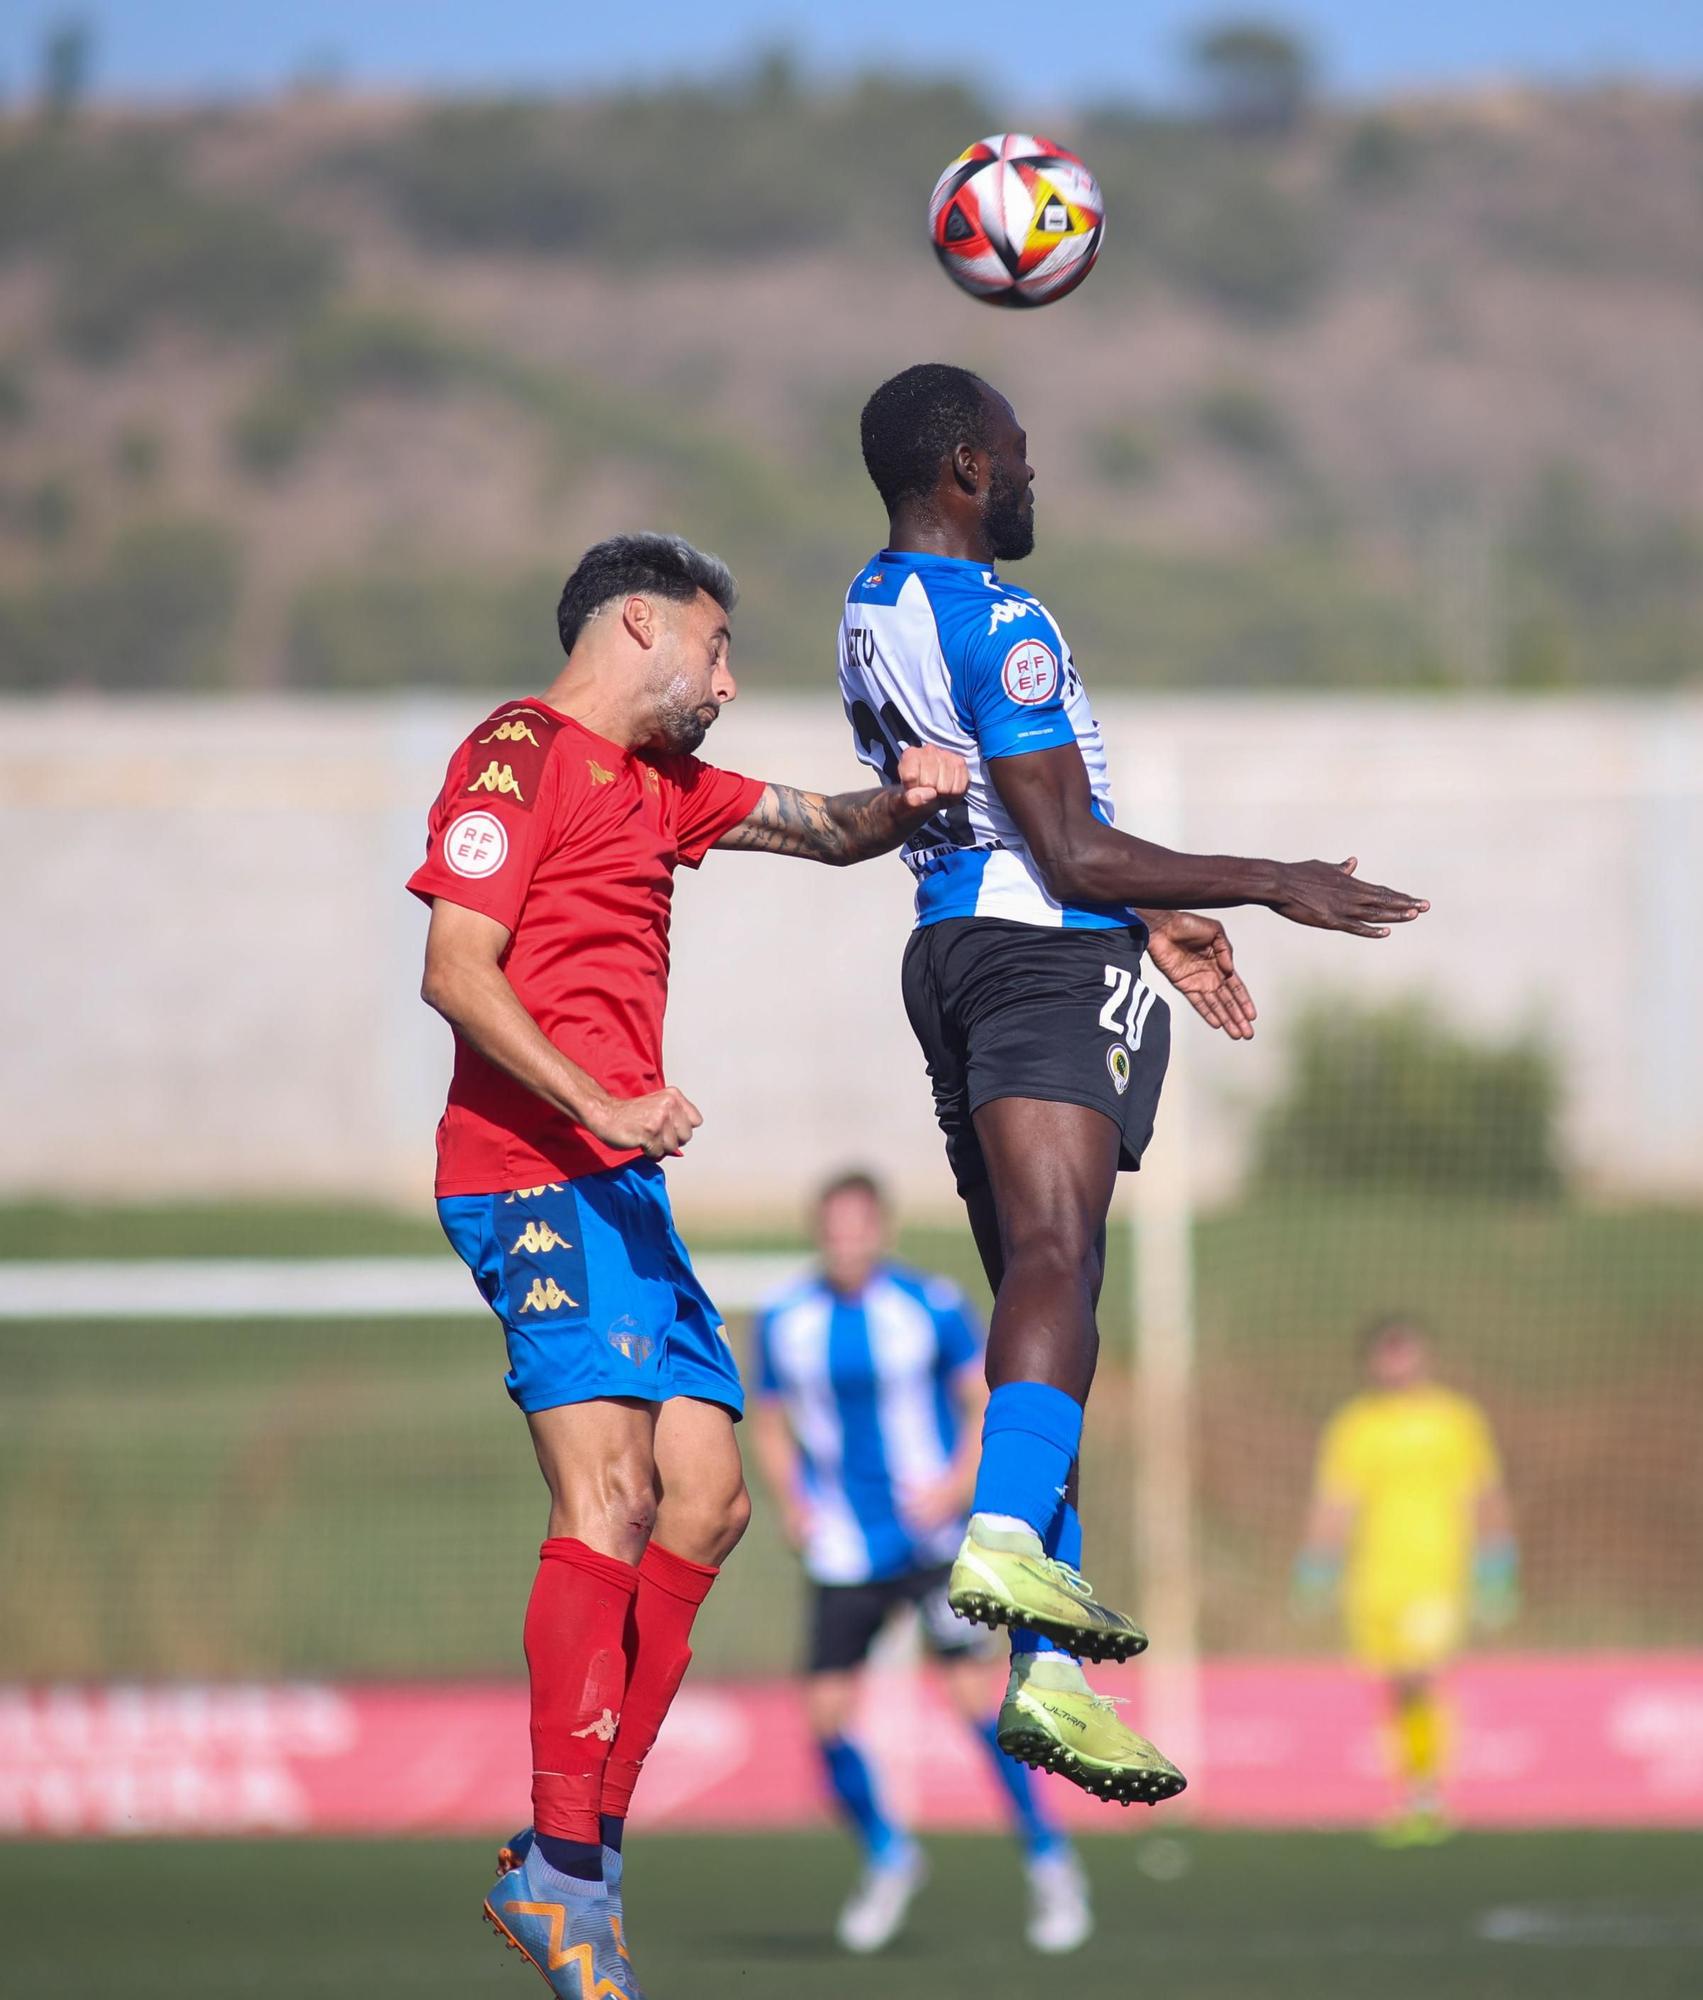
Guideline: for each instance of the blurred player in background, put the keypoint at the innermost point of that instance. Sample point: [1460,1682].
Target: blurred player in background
[550,859]
[1410,1522]
[869,1378]
[1024,984]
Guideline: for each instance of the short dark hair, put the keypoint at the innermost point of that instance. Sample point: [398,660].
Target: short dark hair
[644,566]
[855,1180]
[913,421]
[1376,1331]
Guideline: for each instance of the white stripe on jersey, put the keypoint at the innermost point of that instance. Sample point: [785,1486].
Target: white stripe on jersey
[872,1411]
[798,1342]
[939,651]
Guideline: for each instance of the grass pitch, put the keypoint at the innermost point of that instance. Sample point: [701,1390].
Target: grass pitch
[1242,1917]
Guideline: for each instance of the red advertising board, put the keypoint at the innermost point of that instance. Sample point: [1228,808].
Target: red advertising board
[1603,1740]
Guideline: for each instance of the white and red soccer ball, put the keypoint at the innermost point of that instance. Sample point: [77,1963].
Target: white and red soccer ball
[1016,220]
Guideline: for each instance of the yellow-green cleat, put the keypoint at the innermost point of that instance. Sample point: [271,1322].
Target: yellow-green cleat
[1003,1576]
[1052,1720]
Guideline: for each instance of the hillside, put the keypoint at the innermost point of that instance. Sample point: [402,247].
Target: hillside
[330,391]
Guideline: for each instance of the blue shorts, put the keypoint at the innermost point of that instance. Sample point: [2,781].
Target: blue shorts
[595,1291]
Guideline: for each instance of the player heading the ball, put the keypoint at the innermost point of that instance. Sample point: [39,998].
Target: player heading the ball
[1025,983]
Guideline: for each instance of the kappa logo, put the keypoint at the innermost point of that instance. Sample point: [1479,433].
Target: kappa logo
[512,731]
[475,845]
[546,1296]
[1117,1061]
[498,778]
[1006,612]
[538,1239]
[532,1194]
[599,776]
[1030,673]
[603,1728]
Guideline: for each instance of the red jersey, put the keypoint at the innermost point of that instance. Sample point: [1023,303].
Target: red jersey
[571,843]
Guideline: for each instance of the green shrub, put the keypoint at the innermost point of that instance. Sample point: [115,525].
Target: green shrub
[424,629]
[14,394]
[1126,454]
[139,454]
[1378,156]
[1393,1097]
[1250,248]
[343,352]
[133,243]
[1292,618]
[155,614]
[271,429]
[1241,418]
[1603,593]
[749,167]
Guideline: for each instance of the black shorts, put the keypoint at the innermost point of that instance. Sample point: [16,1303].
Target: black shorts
[1015,1010]
[845,1618]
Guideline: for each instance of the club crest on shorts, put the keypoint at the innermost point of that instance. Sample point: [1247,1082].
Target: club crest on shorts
[629,1342]
[1117,1061]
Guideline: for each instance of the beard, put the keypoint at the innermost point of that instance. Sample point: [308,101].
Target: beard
[1010,518]
[681,723]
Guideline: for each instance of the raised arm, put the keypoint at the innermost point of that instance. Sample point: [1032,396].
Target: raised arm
[852,826]
[1082,860]
[465,982]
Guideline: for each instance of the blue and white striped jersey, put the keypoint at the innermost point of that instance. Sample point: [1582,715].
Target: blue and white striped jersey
[941,651]
[866,1384]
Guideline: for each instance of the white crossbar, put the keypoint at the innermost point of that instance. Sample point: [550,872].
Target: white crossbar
[239,1288]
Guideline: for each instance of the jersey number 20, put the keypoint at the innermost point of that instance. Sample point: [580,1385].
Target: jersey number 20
[885,736]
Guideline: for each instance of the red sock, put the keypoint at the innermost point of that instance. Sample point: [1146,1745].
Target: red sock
[670,1590]
[576,1621]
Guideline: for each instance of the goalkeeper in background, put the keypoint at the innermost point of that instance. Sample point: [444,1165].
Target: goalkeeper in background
[1410,1524]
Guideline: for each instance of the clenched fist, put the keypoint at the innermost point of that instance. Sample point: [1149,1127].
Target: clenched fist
[929,775]
[659,1125]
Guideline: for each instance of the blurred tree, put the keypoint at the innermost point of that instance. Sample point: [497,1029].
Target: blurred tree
[1241,418]
[14,393]
[155,614]
[67,56]
[1253,76]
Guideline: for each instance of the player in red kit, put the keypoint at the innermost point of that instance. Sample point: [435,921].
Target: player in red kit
[549,869]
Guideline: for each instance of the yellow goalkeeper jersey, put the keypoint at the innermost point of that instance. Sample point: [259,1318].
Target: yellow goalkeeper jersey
[1412,1464]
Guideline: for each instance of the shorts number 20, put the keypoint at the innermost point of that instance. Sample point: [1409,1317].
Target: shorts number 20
[1133,997]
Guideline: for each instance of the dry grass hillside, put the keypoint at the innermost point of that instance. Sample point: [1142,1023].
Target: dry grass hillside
[329,390]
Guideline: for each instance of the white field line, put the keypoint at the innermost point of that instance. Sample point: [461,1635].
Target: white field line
[310,1287]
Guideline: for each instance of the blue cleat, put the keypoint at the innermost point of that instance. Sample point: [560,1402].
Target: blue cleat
[569,1931]
[514,1854]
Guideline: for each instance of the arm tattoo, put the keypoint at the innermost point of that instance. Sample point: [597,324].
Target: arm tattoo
[848,827]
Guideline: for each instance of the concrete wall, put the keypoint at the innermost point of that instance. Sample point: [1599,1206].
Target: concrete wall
[211,965]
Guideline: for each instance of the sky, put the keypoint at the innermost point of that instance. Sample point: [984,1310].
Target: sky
[1089,48]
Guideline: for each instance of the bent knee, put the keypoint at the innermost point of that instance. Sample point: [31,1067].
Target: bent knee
[724,1524]
[613,1497]
[1055,1247]
[705,1526]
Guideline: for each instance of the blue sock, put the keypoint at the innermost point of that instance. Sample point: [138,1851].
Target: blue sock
[581,1859]
[1035,1827]
[1063,1542]
[854,1787]
[1030,1437]
[611,1830]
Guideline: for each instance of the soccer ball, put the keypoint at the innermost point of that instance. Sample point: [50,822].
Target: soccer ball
[1017,220]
